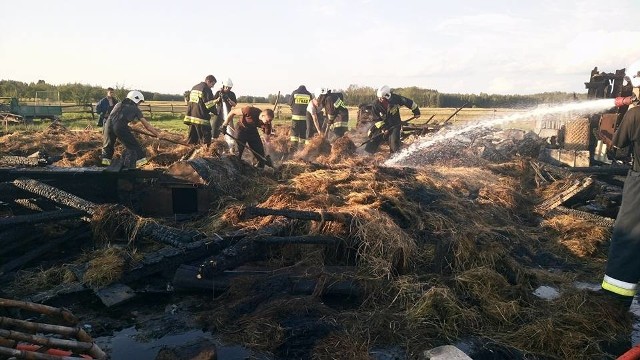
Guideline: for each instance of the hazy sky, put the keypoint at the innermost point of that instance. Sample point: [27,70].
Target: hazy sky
[458,46]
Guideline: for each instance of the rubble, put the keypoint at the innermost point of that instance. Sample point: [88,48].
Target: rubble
[330,254]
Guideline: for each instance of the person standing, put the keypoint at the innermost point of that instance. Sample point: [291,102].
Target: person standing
[105,105]
[224,99]
[336,111]
[386,114]
[117,128]
[246,130]
[622,271]
[300,99]
[199,109]
[314,115]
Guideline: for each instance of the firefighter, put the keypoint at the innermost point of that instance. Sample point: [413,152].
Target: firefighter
[386,114]
[225,99]
[199,110]
[246,130]
[117,128]
[300,99]
[314,116]
[336,111]
[622,272]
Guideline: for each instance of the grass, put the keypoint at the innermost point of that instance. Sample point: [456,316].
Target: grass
[161,115]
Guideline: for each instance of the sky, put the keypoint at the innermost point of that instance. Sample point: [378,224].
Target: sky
[453,46]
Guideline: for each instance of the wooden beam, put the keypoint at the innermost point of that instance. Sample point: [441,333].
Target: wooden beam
[253,211]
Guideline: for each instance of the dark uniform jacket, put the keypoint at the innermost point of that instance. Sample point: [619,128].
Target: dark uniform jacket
[300,98]
[628,134]
[125,112]
[333,104]
[388,111]
[224,97]
[201,104]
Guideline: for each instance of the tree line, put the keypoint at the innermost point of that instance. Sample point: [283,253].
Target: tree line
[354,95]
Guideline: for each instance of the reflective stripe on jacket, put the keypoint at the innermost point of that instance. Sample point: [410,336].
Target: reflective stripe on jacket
[200,106]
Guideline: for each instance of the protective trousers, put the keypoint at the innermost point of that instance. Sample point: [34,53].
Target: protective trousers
[623,264]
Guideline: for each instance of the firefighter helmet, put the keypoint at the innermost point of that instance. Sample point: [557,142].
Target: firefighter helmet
[135,96]
[228,83]
[319,91]
[383,92]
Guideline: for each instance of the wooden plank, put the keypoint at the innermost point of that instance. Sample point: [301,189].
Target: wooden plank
[557,199]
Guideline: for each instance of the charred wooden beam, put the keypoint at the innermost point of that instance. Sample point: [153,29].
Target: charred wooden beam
[169,257]
[594,218]
[299,283]
[563,196]
[254,211]
[40,217]
[242,251]
[304,239]
[21,161]
[8,237]
[55,194]
[36,204]
[17,262]
[158,232]
[601,170]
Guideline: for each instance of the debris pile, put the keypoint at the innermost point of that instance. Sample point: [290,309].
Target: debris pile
[334,256]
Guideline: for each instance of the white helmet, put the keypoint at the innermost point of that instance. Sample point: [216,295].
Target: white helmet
[320,91]
[228,83]
[384,92]
[135,96]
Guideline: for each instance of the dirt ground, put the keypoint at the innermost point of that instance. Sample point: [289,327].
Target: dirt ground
[447,251]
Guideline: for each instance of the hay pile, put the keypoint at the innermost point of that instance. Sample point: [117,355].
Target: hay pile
[442,255]
[448,252]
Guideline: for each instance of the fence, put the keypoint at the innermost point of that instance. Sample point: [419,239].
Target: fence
[147,109]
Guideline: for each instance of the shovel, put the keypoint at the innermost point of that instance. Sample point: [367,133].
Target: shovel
[266,159]
[403,122]
[160,137]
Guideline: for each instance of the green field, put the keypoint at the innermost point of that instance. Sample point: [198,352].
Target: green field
[168,116]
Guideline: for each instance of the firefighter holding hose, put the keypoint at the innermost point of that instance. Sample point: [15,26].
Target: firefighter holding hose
[623,264]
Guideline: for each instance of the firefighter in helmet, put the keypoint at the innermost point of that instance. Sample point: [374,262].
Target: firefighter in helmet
[386,114]
[117,128]
[225,100]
